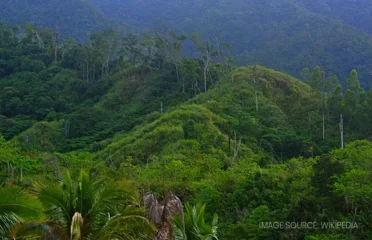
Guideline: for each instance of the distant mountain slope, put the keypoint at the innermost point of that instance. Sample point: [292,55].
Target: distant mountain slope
[286,35]
[357,13]
[77,18]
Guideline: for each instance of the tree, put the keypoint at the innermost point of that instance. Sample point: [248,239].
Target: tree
[350,104]
[342,130]
[130,48]
[195,226]
[176,50]
[305,75]
[255,87]
[316,78]
[89,208]
[105,46]
[17,206]
[353,84]
[148,43]
[161,214]
[336,102]
[331,83]
[8,158]
[206,51]
[190,74]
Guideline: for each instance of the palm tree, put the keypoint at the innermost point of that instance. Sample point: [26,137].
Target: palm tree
[196,227]
[88,208]
[161,214]
[17,206]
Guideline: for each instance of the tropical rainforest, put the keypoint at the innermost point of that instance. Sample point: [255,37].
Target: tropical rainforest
[176,130]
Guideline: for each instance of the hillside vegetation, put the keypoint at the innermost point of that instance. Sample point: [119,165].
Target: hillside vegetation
[74,18]
[94,134]
[285,35]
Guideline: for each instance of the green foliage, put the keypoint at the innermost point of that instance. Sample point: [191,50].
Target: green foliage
[106,208]
[317,78]
[196,226]
[285,35]
[126,116]
[17,205]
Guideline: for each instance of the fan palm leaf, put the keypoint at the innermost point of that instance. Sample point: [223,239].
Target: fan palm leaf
[89,208]
[16,206]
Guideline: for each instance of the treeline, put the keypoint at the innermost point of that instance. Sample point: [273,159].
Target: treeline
[347,109]
[45,78]
[116,138]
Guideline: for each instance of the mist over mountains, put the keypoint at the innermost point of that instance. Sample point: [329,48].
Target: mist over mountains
[287,35]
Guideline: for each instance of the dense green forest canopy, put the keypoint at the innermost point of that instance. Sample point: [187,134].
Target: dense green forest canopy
[75,18]
[95,133]
[356,13]
[285,35]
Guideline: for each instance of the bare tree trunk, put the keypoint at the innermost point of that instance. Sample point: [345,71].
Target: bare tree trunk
[205,78]
[229,143]
[13,168]
[236,149]
[8,164]
[178,75]
[323,125]
[342,130]
[87,72]
[66,128]
[56,43]
[220,67]
[323,105]
[206,65]
[107,64]
[255,93]
[161,108]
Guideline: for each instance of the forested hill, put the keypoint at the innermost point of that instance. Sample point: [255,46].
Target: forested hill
[285,35]
[76,18]
[356,13]
[101,140]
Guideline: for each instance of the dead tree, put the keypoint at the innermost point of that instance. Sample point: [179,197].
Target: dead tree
[161,214]
[323,103]
[56,43]
[236,149]
[342,131]
[255,87]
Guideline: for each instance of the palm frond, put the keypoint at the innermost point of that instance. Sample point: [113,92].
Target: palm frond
[130,224]
[7,222]
[196,227]
[38,230]
[17,205]
[19,202]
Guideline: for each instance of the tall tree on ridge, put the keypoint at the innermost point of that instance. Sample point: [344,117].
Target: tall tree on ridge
[56,43]
[207,53]
[176,50]
[353,84]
